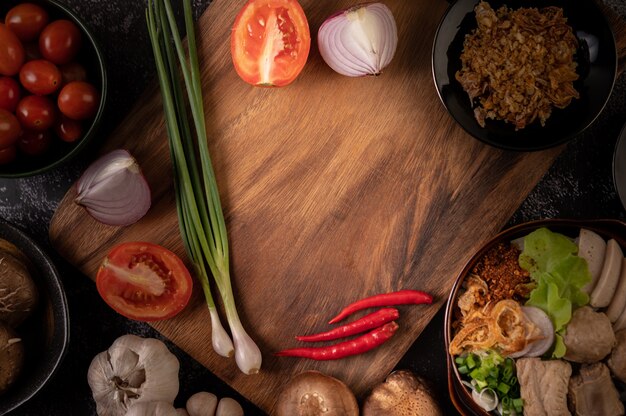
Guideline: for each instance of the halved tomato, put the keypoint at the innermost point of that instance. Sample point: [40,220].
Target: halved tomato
[270,42]
[144,281]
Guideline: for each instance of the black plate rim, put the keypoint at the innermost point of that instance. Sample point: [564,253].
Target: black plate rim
[620,184]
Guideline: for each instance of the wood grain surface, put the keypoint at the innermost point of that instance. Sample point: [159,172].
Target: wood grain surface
[333,189]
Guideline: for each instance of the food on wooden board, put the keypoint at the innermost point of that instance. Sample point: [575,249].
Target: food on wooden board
[132,370]
[270,42]
[543,386]
[402,297]
[201,403]
[355,346]
[360,40]
[549,276]
[11,356]
[201,220]
[402,393]
[144,281]
[592,392]
[519,64]
[113,189]
[52,65]
[370,321]
[589,337]
[312,393]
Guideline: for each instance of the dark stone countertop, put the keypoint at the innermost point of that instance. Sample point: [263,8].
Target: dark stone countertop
[578,185]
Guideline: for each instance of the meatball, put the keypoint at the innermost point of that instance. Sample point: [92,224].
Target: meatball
[589,336]
[617,361]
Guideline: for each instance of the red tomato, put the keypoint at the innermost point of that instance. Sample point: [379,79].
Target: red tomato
[9,129]
[73,72]
[40,77]
[34,143]
[11,52]
[60,42]
[144,281]
[270,42]
[7,155]
[36,113]
[9,94]
[68,130]
[26,20]
[79,100]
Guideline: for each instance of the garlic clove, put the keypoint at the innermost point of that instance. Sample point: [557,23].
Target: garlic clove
[133,370]
[229,407]
[152,409]
[202,404]
[181,412]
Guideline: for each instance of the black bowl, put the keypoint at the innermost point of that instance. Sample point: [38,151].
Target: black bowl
[459,394]
[45,333]
[594,86]
[92,59]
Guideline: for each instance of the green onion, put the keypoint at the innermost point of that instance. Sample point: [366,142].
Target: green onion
[201,220]
[463,369]
[503,388]
[471,363]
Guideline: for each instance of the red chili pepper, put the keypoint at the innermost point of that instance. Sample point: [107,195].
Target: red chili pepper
[373,320]
[402,297]
[355,346]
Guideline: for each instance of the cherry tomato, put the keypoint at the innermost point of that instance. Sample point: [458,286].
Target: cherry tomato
[11,52]
[79,100]
[26,20]
[9,94]
[34,143]
[270,42]
[68,130]
[40,77]
[144,281]
[60,41]
[73,72]
[8,155]
[36,113]
[9,129]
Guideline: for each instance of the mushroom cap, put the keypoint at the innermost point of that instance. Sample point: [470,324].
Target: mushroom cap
[18,291]
[11,356]
[312,393]
[401,394]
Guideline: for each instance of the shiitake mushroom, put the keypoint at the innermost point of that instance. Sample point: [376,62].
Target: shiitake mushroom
[18,292]
[401,394]
[312,393]
[11,356]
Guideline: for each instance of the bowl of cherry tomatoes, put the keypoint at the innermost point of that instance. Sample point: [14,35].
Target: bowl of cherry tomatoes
[52,86]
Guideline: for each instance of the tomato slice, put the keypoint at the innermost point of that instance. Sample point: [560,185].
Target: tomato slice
[270,42]
[144,281]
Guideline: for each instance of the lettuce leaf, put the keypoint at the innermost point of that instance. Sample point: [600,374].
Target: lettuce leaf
[560,276]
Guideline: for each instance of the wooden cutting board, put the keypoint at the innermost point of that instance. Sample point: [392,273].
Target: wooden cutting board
[333,189]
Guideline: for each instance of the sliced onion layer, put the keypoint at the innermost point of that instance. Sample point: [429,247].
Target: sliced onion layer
[361,40]
[113,190]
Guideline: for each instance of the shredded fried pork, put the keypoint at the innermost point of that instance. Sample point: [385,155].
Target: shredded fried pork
[519,64]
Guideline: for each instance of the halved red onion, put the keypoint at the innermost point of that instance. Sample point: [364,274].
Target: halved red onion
[361,40]
[113,190]
[542,321]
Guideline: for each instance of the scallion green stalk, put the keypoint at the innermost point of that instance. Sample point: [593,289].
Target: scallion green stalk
[201,220]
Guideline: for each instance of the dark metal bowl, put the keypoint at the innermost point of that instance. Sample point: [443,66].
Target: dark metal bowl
[461,397]
[594,86]
[46,333]
[92,58]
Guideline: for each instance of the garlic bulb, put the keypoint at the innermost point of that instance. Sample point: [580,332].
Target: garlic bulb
[132,370]
[152,409]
